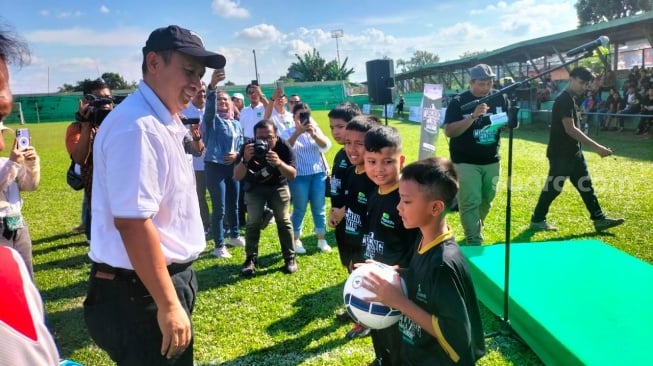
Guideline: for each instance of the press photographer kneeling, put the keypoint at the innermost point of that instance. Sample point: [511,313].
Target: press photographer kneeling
[266,165]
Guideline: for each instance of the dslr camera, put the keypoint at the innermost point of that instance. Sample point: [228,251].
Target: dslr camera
[96,108]
[261,147]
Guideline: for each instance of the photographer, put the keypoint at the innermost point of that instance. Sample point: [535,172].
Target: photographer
[266,165]
[93,108]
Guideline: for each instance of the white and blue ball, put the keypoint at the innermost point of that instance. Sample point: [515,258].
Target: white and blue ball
[371,314]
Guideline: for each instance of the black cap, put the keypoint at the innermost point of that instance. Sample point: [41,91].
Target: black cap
[174,37]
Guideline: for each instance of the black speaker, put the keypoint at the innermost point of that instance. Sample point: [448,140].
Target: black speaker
[380,81]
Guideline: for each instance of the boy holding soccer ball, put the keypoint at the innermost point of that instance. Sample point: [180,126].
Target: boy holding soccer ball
[441,323]
[385,239]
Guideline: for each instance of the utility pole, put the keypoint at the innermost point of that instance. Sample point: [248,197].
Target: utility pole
[255,66]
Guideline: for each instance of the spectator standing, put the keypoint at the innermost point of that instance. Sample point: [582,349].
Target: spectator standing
[265,168]
[238,101]
[474,151]
[223,138]
[400,106]
[276,112]
[96,103]
[147,229]
[309,145]
[566,160]
[647,110]
[196,110]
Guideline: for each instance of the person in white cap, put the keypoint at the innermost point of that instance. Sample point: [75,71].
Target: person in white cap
[474,150]
[238,101]
[146,227]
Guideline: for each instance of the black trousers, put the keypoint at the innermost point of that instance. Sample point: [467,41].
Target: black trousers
[560,169]
[121,315]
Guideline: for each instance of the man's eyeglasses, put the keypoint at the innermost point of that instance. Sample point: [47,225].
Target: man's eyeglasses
[294,101]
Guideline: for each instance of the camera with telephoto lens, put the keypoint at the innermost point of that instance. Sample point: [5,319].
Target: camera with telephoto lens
[96,108]
[261,147]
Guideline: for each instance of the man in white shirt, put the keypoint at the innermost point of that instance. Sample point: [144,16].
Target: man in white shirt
[254,112]
[146,225]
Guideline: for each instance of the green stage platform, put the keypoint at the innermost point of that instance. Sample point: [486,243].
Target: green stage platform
[573,302]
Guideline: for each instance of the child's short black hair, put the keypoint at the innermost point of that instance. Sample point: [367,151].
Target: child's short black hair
[436,178]
[89,86]
[382,136]
[345,111]
[363,123]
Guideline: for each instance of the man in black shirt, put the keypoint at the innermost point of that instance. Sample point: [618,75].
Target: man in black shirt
[474,149]
[265,168]
[566,158]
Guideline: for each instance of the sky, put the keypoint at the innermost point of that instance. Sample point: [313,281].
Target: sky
[75,40]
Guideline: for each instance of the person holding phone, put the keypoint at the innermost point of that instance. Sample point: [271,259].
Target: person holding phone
[21,171]
[309,144]
[277,112]
[223,137]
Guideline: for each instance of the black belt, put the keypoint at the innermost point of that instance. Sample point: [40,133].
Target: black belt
[130,273]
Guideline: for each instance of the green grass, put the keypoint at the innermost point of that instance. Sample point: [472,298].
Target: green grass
[278,319]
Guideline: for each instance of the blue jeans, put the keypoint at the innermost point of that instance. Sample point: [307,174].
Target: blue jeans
[305,189]
[224,190]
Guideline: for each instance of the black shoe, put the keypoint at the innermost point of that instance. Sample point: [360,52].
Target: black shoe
[606,223]
[268,215]
[291,265]
[249,267]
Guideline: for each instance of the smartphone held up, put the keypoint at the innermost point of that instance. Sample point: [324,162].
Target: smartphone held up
[22,138]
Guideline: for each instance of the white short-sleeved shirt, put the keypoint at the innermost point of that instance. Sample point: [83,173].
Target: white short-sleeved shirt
[283,121]
[249,117]
[140,170]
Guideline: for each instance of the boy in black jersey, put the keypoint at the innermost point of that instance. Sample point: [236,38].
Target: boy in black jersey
[357,189]
[441,323]
[339,117]
[385,238]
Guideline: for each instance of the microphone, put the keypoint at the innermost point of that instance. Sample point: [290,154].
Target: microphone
[589,46]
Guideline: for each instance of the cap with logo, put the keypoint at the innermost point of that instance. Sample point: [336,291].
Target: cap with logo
[481,72]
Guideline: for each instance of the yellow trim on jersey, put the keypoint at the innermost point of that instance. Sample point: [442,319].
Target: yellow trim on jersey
[359,172]
[442,341]
[423,248]
[390,190]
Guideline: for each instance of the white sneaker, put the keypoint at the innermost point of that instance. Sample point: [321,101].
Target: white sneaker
[221,252]
[237,242]
[323,246]
[299,248]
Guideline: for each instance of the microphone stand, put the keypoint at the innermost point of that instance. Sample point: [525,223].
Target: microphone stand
[505,329]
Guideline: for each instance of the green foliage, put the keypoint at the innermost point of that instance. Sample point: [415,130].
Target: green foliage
[311,66]
[276,319]
[114,80]
[419,59]
[596,11]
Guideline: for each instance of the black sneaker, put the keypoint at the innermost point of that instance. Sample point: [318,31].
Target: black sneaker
[291,265]
[606,223]
[248,267]
[268,215]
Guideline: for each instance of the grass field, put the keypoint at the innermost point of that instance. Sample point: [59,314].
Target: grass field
[278,319]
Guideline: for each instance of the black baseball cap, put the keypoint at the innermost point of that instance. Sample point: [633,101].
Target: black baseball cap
[174,37]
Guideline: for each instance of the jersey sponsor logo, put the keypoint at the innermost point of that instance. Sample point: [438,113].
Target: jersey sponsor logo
[485,137]
[387,221]
[421,296]
[343,164]
[372,246]
[362,198]
[336,183]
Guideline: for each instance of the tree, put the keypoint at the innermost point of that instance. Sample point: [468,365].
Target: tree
[419,59]
[472,53]
[596,11]
[312,67]
[114,80]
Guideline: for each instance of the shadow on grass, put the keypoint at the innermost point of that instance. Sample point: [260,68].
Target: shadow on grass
[56,237]
[69,330]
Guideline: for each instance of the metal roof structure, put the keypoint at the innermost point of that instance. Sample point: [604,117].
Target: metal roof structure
[619,31]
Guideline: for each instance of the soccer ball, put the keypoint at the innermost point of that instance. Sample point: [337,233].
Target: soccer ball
[371,314]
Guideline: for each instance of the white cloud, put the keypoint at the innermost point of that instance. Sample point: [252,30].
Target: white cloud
[68,14]
[104,9]
[229,9]
[44,12]
[261,32]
